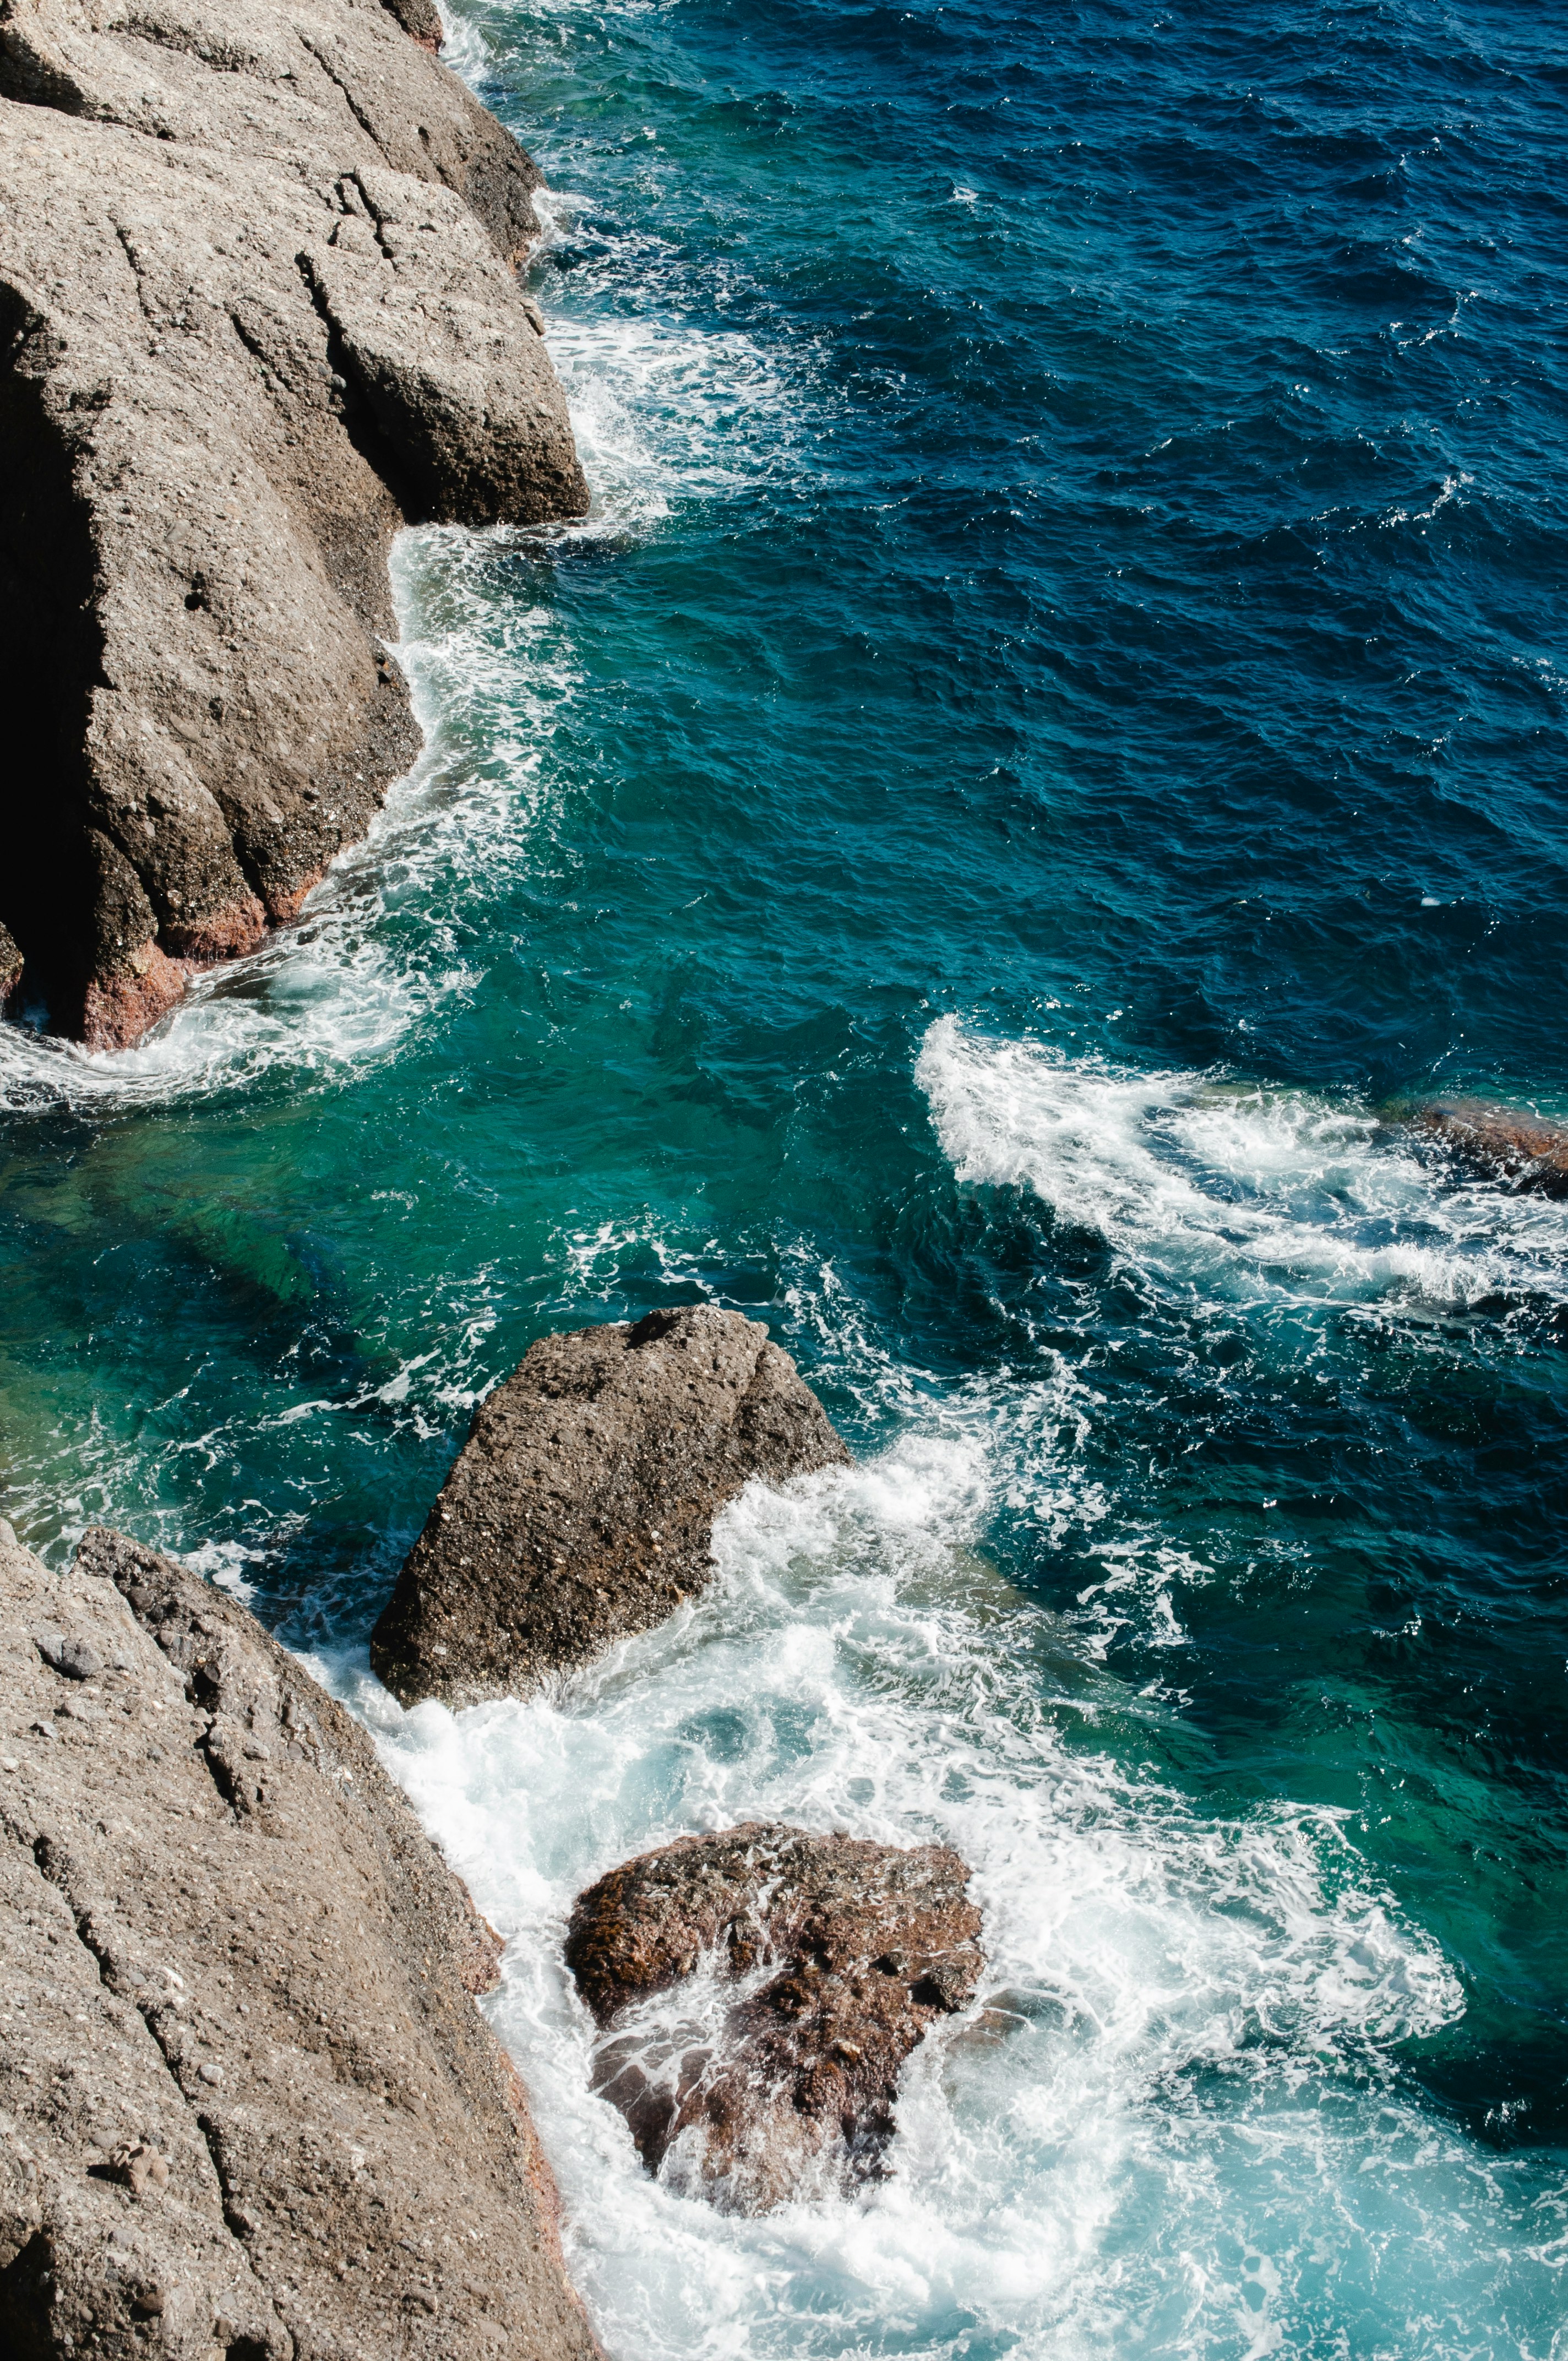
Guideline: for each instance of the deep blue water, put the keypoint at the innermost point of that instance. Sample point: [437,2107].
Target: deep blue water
[1052,740]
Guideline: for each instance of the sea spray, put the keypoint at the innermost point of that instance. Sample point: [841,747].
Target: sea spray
[1266,1199]
[1177,2100]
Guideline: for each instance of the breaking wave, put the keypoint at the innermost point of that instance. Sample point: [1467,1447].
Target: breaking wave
[1175,2101]
[1241,1193]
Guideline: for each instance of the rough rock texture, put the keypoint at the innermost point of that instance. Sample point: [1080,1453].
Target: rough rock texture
[10,966]
[247,2106]
[256,309]
[812,1964]
[1502,1142]
[581,1507]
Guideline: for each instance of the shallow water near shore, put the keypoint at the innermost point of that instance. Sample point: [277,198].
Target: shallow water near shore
[1050,739]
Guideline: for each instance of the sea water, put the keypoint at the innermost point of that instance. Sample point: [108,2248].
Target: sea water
[1048,744]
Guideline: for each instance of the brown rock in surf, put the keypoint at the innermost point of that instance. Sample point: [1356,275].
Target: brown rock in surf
[1529,1155]
[249,2107]
[257,310]
[581,1507]
[761,1989]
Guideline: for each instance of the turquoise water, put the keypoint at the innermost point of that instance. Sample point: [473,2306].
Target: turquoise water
[1050,736]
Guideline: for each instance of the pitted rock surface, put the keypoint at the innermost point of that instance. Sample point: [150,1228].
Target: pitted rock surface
[761,1989]
[248,2105]
[1507,1145]
[257,310]
[581,1507]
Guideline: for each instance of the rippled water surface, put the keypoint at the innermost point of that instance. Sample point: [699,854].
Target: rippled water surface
[1051,739]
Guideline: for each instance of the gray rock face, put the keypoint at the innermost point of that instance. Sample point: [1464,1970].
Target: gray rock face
[247,2106]
[581,1507]
[762,1988]
[257,310]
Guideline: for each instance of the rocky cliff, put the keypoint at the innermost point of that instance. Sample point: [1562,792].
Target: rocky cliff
[249,2108]
[257,310]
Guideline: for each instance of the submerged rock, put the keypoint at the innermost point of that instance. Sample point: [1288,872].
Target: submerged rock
[257,310]
[581,1507]
[803,1969]
[1503,1143]
[248,2105]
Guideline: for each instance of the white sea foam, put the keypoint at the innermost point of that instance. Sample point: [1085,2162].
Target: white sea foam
[1245,1196]
[1450,489]
[1168,2126]
[666,411]
[463,47]
[666,414]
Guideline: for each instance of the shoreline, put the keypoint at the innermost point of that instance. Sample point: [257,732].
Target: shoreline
[259,287]
[319,339]
[830,885]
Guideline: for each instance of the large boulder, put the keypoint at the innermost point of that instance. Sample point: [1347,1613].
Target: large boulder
[761,1989]
[581,1507]
[249,2107]
[257,310]
[1502,1142]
